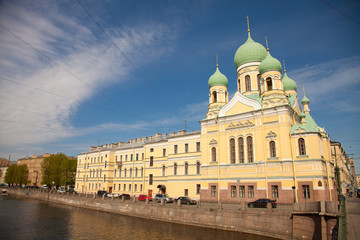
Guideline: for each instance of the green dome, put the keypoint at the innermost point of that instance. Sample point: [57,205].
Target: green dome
[218,79]
[288,83]
[305,100]
[302,115]
[269,64]
[250,51]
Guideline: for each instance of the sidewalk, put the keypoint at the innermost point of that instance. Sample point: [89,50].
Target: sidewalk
[353,218]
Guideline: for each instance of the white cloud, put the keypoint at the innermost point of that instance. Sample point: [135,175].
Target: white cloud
[336,83]
[62,37]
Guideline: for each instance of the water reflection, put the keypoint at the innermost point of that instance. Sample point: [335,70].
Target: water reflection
[30,219]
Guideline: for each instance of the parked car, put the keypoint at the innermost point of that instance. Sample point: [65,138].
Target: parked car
[186,200]
[262,203]
[126,196]
[115,195]
[61,190]
[100,193]
[166,198]
[143,197]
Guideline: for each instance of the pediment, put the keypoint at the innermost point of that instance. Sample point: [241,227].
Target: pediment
[239,104]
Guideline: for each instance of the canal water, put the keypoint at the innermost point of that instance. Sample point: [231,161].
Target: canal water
[31,219]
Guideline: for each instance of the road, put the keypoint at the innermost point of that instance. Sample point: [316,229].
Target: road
[353,218]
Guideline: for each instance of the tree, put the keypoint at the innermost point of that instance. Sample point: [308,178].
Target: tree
[58,169]
[10,175]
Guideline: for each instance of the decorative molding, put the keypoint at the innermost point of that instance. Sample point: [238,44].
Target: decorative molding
[271,135]
[240,125]
[213,142]
[238,97]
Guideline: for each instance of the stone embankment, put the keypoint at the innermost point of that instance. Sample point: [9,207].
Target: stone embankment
[266,222]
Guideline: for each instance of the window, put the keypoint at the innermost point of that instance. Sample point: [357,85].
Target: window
[301,143]
[119,186]
[115,158]
[175,169]
[151,150]
[241,149]
[164,152]
[124,187]
[140,187]
[232,151]
[105,164]
[100,172]
[272,149]
[233,191]
[129,187]
[239,85]
[131,157]
[247,83]
[125,158]
[186,168]
[137,156]
[198,146]
[114,186]
[198,187]
[214,96]
[104,177]
[115,172]
[130,172]
[213,154]
[250,149]
[163,170]
[251,191]
[136,172]
[186,147]
[198,168]
[119,172]
[186,192]
[125,172]
[175,149]
[269,84]
[151,161]
[150,179]
[275,191]
[213,191]
[306,191]
[259,82]
[142,156]
[242,191]
[135,188]
[142,170]
[120,158]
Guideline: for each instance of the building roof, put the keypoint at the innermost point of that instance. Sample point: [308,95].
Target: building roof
[288,83]
[269,64]
[218,79]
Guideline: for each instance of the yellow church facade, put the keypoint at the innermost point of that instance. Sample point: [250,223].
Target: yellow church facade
[261,143]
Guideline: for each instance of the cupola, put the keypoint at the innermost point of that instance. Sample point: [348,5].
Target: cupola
[218,79]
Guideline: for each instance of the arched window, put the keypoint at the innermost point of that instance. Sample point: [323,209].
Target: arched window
[272,149]
[241,149]
[214,94]
[302,149]
[186,168]
[269,84]
[259,82]
[249,143]
[130,172]
[105,164]
[125,172]
[198,168]
[163,170]
[232,151]
[239,86]
[136,172]
[247,83]
[175,168]
[213,154]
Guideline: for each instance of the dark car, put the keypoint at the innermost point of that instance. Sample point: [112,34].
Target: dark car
[262,203]
[186,200]
[126,196]
[100,193]
[166,198]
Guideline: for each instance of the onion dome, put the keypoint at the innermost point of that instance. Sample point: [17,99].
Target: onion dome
[218,79]
[302,115]
[305,100]
[269,64]
[250,51]
[288,83]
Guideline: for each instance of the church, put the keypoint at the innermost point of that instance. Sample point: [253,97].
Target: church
[261,143]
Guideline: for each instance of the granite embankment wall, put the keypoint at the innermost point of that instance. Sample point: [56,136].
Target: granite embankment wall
[261,222]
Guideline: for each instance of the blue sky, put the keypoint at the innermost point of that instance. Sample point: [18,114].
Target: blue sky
[64,86]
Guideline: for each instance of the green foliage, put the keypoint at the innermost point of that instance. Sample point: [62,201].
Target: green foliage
[17,174]
[58,169]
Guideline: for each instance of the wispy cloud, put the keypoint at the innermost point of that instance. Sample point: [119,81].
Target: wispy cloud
[72,47]
[336,83]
